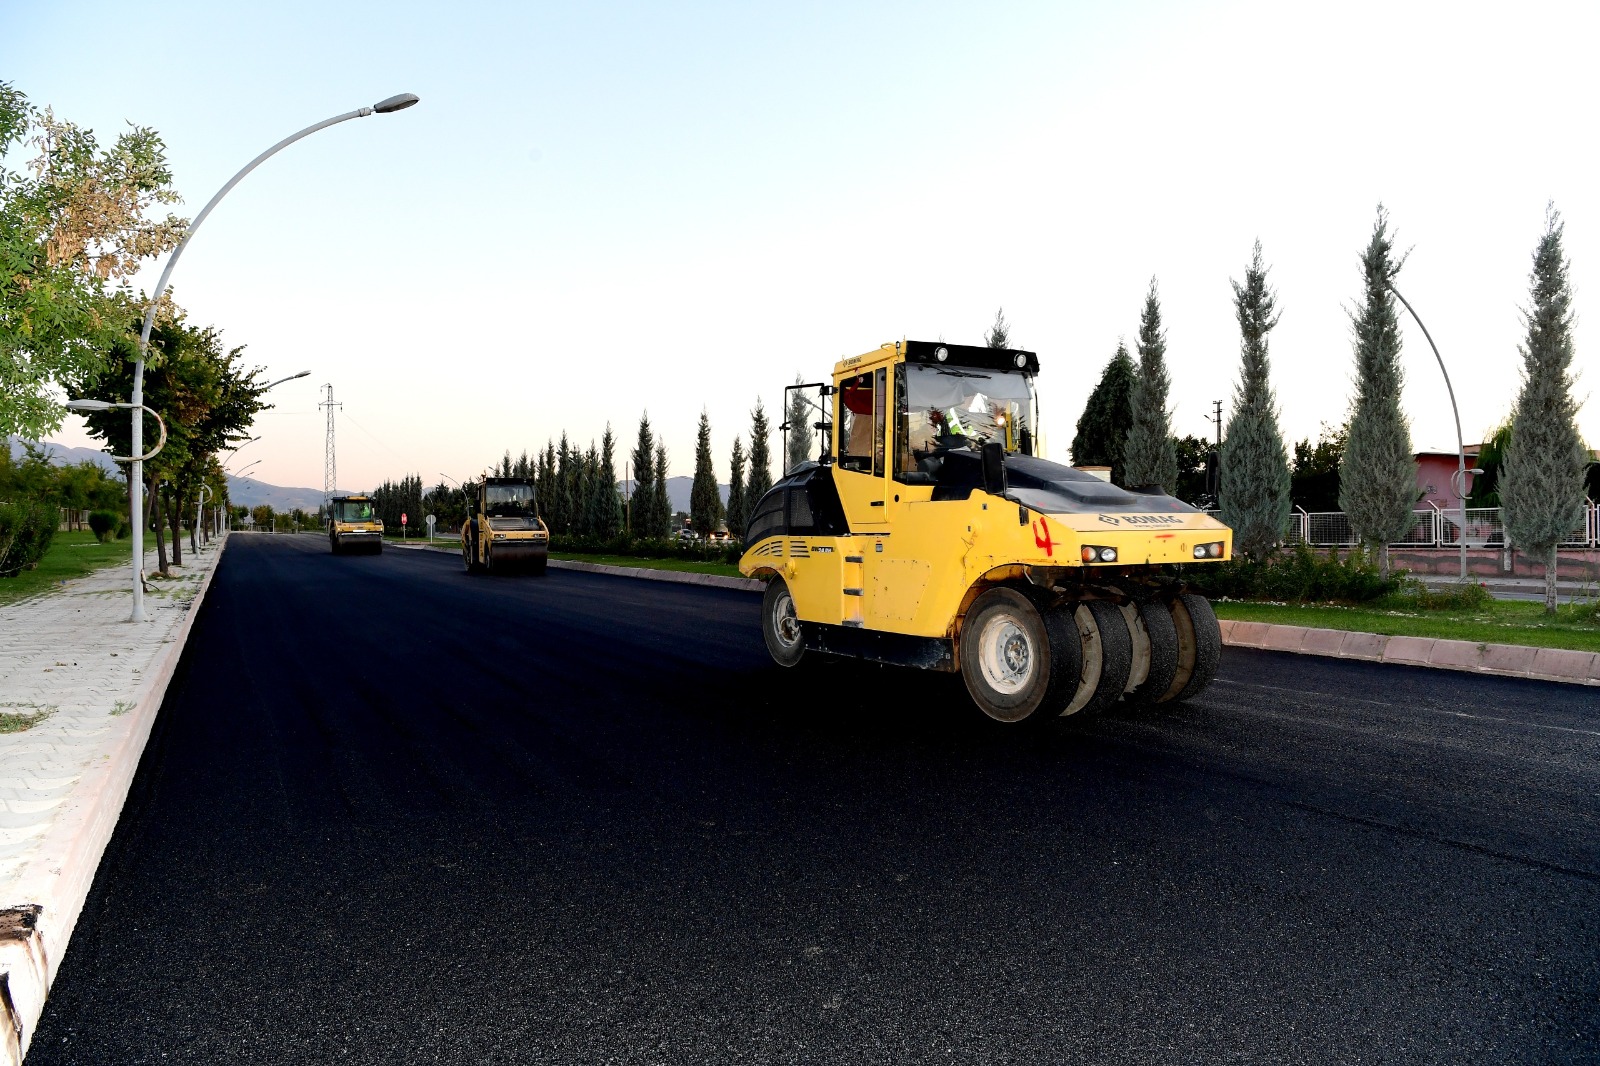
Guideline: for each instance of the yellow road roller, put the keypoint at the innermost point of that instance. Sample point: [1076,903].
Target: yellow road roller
[353,525]
[505,533]
[927,532]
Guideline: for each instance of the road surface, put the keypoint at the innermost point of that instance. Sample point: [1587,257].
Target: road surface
[392,813]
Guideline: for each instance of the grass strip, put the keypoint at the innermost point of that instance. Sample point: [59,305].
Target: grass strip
[71,555]
[1575,626]
[689,566]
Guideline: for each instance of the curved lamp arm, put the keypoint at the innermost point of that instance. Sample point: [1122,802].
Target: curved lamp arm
[103,405]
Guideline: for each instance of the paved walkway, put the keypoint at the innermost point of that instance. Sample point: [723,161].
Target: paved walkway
[72,657]
[92,680]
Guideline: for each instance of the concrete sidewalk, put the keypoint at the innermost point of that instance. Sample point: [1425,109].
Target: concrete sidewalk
[95,681]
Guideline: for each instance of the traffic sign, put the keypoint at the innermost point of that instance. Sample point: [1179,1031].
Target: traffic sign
[402,518]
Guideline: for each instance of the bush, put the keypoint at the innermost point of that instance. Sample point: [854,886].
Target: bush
[1294,575]
[651,548]
[103,524]
[1456,597]
[26,529]
[123,528]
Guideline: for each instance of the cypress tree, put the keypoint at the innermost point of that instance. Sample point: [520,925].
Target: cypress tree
[1378,475]
[641,508]
[999,335]
[1107,417]
[661,508]
[1149,455]
[564,502]
[1542,476]
[738,516]
[800,431]
[591,502]
[545,485]
[608,505]
[705,498]
[1254,494]
[760,458]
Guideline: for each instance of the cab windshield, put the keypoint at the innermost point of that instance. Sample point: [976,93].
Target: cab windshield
[509,501]
[355,511]
[946,407]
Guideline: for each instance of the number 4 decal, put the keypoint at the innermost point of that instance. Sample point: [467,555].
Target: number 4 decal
[1043,541]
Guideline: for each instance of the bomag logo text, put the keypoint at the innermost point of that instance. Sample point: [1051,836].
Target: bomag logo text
[1141,520]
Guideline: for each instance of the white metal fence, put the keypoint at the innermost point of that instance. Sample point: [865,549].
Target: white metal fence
[1431,527]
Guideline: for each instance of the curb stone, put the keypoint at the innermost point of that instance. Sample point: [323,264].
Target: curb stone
[37,925]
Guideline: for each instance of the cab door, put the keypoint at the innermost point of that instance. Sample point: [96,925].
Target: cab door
[860,429]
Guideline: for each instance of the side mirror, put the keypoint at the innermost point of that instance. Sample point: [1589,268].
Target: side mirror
[994,468]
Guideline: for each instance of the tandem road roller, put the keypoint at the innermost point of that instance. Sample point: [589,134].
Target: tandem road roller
[353,525]
[930,534]
[505,532]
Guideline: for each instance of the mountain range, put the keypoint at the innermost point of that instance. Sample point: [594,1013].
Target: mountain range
[248,492]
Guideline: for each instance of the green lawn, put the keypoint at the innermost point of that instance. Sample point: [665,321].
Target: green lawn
[692,566]
[1575,626]
[71,555]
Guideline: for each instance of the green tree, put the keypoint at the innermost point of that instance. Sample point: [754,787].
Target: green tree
[661,506]
[607,508]
[1314,476]
[1149,456]
[642,500]
[738,508]
[705,498]
[208,400]
[999,335]
[760,457]
[72,232]
[564,499]
[1491,454]
[1107,417]
[1254,494]
[1191,453]
[1542,476]
[799,421]
[1378,478]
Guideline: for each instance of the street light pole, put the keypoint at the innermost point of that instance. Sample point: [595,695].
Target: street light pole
[136,473]
[1460,479]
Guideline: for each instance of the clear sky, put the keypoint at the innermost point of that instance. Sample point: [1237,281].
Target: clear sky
[599,209]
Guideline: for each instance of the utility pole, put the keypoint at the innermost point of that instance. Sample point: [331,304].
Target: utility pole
[1217,418]
[329,474]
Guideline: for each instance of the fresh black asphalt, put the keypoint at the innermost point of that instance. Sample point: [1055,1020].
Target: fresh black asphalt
[392,813]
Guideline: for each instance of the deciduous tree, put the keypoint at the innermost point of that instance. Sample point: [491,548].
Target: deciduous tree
[73,229]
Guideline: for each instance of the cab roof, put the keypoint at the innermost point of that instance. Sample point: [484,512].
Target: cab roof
[972,356]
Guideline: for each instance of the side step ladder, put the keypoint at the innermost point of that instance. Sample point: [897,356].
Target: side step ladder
[854,582]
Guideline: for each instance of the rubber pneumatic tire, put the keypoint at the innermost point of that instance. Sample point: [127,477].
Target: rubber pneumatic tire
[1199,647]
[780,625]
[1163,636]
[1017,656]
[1107,656]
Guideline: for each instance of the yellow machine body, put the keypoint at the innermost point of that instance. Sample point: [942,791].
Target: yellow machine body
[353,525]
[929,493]
[505,532]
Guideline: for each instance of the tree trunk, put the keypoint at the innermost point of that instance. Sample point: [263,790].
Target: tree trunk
[1550,583]
[1383,561]
[175,519]
[155,523]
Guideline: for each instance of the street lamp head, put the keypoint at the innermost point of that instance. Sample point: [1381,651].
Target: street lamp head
[92,405]
[395,103]
[302,374]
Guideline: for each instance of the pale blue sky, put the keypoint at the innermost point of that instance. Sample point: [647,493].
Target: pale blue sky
[602,208]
